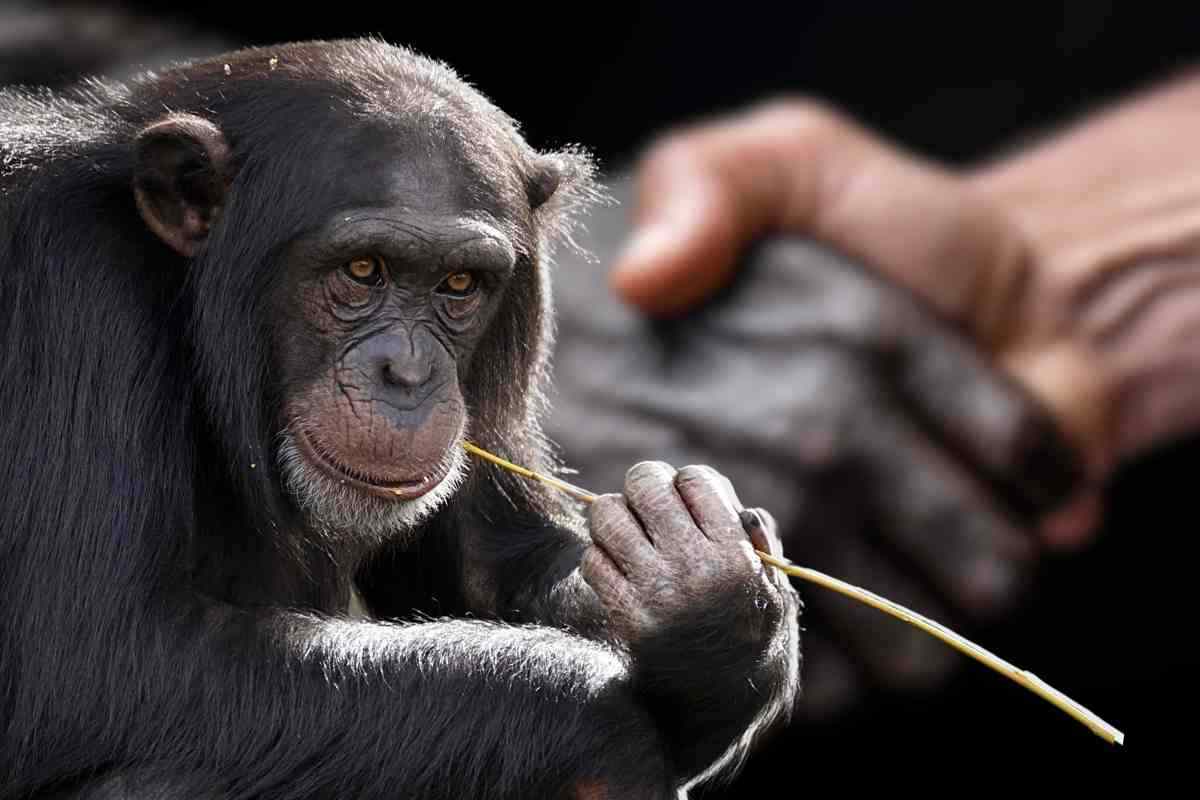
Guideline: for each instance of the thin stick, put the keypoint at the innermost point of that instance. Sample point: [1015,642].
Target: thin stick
[562,486]
[964,645]
[1027,679]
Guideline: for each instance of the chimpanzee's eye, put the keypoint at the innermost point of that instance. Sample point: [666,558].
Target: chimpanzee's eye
[367,270]
[459,284]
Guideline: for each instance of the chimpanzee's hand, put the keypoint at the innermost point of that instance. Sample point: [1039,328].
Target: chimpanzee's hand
[712,631]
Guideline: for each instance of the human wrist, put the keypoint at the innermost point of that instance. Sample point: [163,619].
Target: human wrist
[1111,214]
[1140,326]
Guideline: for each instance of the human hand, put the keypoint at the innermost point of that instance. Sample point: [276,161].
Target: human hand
[705,194]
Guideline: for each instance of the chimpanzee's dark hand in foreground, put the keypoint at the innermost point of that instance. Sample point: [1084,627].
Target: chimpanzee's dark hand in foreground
[892,453]
[711,630]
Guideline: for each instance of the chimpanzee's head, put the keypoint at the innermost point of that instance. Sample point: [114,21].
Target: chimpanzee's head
[377,229]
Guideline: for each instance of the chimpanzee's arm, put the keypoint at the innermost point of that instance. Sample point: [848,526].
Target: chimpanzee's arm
[273,703]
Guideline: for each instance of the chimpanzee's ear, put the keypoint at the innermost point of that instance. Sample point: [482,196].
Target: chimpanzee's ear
[179,178]
[560,186]
[547,175]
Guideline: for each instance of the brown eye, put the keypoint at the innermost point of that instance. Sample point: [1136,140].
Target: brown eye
[460,284]
[367,270]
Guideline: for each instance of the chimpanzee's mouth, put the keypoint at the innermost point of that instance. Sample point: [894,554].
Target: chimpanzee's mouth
[387,488]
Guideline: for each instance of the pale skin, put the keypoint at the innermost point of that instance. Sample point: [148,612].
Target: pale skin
[1075,264]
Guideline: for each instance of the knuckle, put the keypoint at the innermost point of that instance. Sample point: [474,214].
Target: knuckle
[698,476]
[647,474]
[799,111]
[602,507]
[698,471]
[674,150]
[606,514]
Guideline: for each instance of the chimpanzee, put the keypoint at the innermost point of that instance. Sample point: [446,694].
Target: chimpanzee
[252,307]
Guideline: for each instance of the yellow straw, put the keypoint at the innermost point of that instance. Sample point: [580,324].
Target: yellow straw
[562,486]
[964,645]
[1027,679]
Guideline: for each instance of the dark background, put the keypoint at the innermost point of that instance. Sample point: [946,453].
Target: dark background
[1112,626]
[951,79]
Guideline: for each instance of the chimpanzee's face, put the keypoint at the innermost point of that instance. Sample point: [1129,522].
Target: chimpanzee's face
[383,306]
[405,292]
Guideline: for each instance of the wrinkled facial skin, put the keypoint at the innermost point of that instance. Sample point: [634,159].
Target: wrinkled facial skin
[383,306]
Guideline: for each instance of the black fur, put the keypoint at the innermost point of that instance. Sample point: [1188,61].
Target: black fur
[166,628]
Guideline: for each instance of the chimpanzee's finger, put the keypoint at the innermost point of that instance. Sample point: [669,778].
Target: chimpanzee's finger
[989,419]
[652,497]
[709,497]
[937,515]
[618,534]
[599,570]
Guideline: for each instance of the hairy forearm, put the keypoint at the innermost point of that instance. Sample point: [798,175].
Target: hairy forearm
[1111,211]
[268,699]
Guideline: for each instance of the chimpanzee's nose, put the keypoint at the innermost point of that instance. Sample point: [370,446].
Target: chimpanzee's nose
[405,373]
[405,361]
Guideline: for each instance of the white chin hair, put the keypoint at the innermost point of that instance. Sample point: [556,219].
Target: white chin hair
[337,509]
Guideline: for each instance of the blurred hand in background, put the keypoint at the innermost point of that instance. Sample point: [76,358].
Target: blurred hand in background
[891,452]
[1074,265]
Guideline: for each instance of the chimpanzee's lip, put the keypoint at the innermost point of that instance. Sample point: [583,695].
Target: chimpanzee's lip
[376,485]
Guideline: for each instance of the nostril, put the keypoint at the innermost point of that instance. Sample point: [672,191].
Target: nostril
[408,373]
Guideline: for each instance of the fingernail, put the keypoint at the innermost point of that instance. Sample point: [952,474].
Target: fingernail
[756,530]
[750,520]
